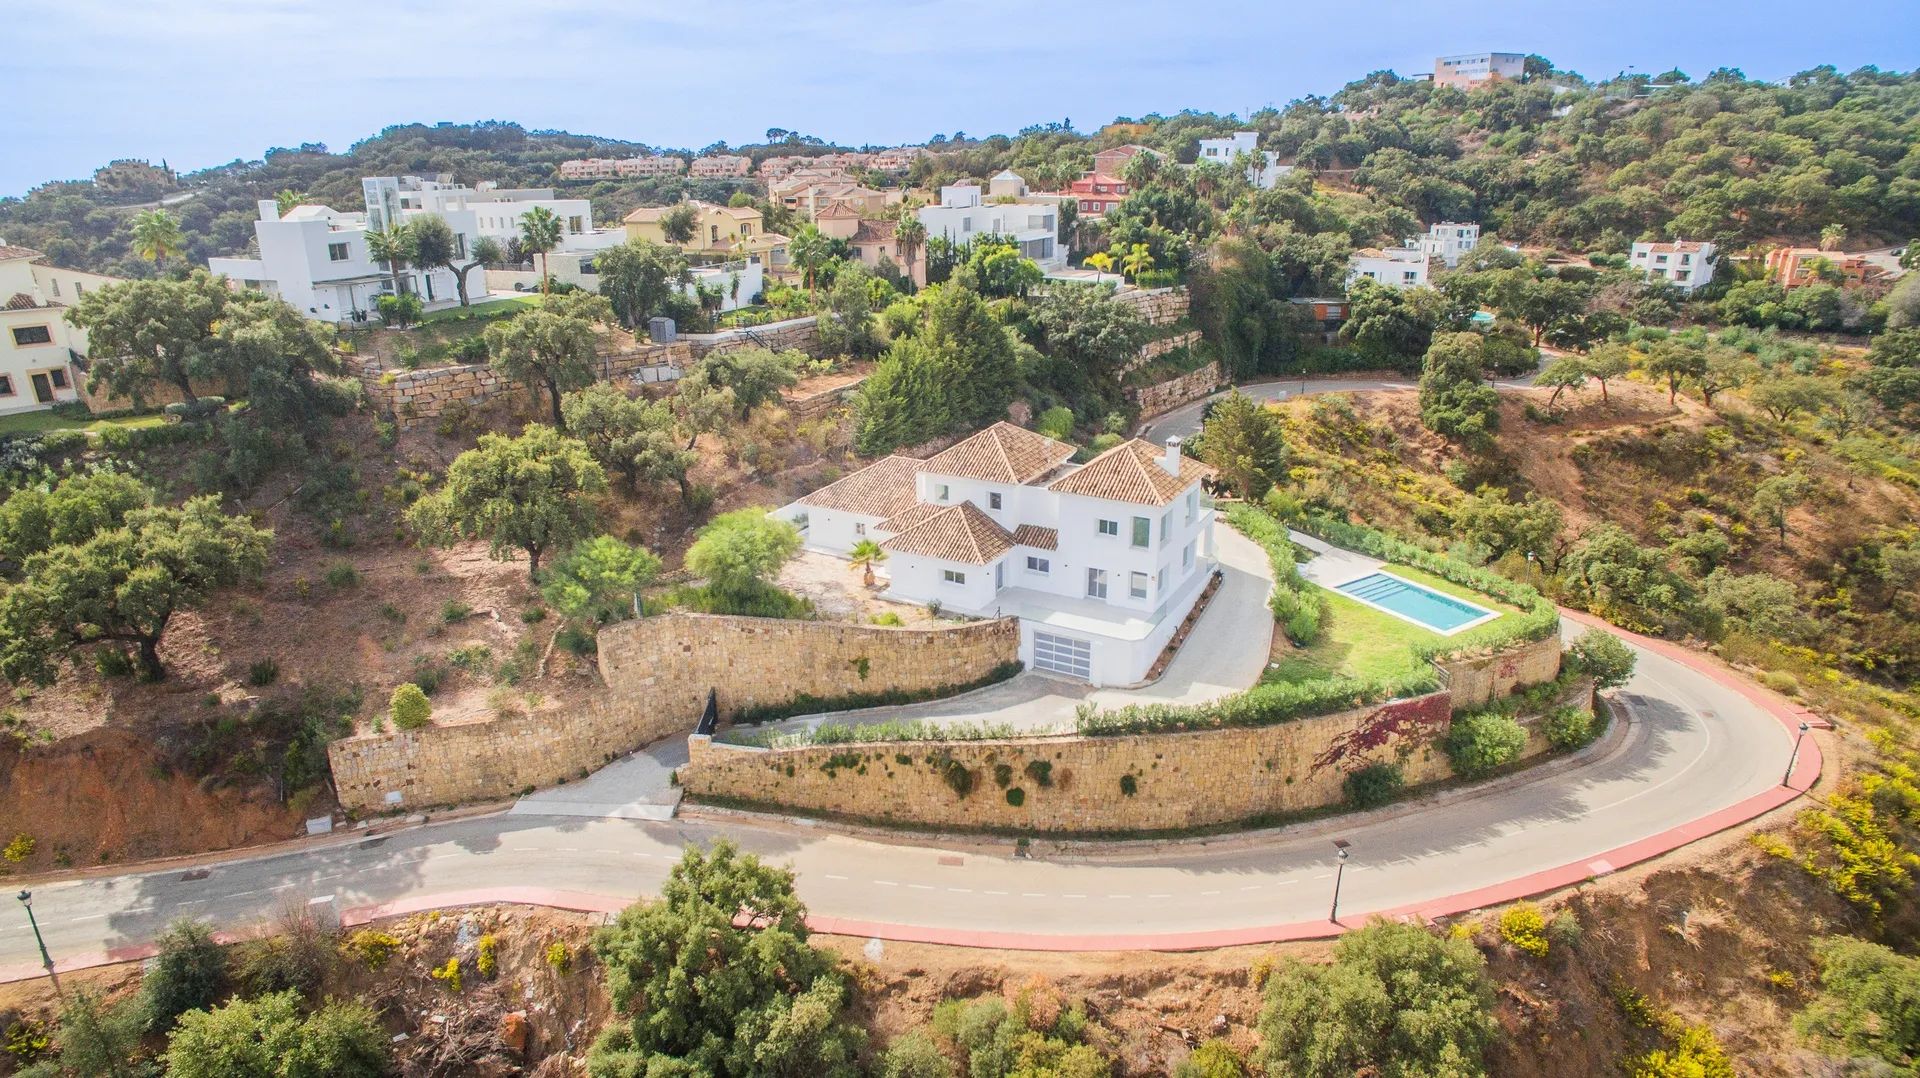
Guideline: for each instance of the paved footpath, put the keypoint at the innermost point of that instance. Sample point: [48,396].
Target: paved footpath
[1703,750]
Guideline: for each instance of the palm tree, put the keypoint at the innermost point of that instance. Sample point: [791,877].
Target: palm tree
[1101,260]
[864,556]
[1137,261]
[808,249]
[156,236]
[394,246]
[540,233]
[287,199]
[909,236]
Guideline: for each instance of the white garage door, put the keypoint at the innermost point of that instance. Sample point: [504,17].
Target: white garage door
[1063,655]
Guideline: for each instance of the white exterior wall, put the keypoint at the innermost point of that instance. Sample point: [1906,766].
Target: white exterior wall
[574,268]
[832,531]
[1263,166]
[297,264]
[21,357]
[1448,241]
[962,216]
[921,579]
[1688,271]
[1399,267]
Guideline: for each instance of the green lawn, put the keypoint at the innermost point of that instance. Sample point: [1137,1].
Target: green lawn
[1359,641]
[37,422]
[492,308]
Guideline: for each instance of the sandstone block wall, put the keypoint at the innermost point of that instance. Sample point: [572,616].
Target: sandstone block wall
[1071,784]
[658,671]
[811,407]
[1477,680]
[1155,399]
[421,396]
[1158,305]
[800,333]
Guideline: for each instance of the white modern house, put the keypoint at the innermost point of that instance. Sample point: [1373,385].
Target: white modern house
[39,348]
[1685,264]
[1447,241]
[1101,562]
[963,215]
[1263,166]
[1398,267]
[316,257]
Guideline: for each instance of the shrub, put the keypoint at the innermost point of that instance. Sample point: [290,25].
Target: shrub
[486,956]
[1695,1054]
[1568,727]
[373,949]
[448,974]
[1564,930]
[887,617]
[1869,1002]
[1016,797]
[1373,785]
[1603,656]
[1213,1059]
[1781,682]
[1129,785]
[409,708]
[20,848]
[1297,605]
[455,611]
[296,958]
[1055,423]
[915,1055]
[1040,771]
[188,974]
[1526,928]
[475,659]
[263,672]
[268,1036]
[559,958]
[112,662]
[342,575]
[1479,743]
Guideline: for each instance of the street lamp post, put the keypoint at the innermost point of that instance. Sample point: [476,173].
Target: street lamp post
[1339,872]
[1794,760]
[46,960]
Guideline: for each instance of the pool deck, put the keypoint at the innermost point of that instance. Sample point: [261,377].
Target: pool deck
[1332,567]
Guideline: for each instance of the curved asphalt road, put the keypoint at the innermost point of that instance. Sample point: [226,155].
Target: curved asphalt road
[1185,421]
[1701,750]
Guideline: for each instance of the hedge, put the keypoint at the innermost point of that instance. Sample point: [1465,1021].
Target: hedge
[839,733]
[1262,705]
[1539,618]
[807,704]
[1296,605]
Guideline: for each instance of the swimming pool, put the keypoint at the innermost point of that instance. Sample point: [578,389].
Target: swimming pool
[1412,602]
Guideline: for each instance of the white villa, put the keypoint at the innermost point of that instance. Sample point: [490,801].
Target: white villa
[316,258]
[1397,267]
[1447,241]
[39,348]
[1263,166]
[963,216]
[1685,264]
[1101,562]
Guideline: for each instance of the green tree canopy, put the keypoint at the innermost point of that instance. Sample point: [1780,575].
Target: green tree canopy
[268,1038]
[123,585]
[633,436]
[1087,326]
[1243,439]
[1869,1002]
[1397,1001]
[142,334]
[552,347]
[638,278]
[598,580]
[957,372]
[1454,402]
[741,551]
[717,978]
[533,493]
[69,513]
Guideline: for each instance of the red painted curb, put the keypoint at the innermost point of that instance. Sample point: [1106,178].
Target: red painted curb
[1806,772]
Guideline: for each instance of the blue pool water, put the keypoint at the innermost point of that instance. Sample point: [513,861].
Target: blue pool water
[1441,613]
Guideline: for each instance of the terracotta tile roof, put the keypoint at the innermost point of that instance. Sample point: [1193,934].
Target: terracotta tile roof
[8,254]
[1037,537]
[1131,472]
[881,489]
[654,213]
[1003,453]
[836,211]
[959,533]
[908,517]
[871,231]
[1676,247]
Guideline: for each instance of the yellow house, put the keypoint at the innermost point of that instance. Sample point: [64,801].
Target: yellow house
[718,231]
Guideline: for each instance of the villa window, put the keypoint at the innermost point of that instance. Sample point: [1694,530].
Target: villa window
[336,252]
[1186,557]
[1097,583]
[1160,580]
[1137,585]
[54,282]
[993,500]
[953,576]
[6,385]
[1039,565]
[58,377]
[859,529]
[1166,525]
[1193,505]
[1110,527]
[25,335]
[940,491]
[575,225]
[1142,532]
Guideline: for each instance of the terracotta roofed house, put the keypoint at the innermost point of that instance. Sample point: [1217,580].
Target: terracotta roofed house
[1100,562]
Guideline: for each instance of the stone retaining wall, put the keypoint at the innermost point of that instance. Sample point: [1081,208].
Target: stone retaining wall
[1478,680]
[1090,785]
[800,333]
[1158,305]
[420,396]
[658,671]
[1165,396]
[815,405]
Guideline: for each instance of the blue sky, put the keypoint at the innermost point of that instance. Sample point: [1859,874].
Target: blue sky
[200,82]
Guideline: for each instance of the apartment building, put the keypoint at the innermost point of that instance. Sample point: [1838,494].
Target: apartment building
[720,167]
[1469,69]
[610,168]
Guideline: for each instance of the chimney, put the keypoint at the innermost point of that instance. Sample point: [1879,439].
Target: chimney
[269,210]
[1170,460]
